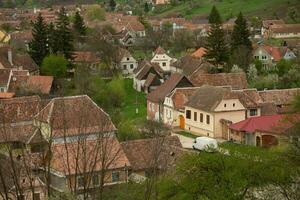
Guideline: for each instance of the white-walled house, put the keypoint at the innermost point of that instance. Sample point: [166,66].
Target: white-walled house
[163,59]
[174,106]
[127,63]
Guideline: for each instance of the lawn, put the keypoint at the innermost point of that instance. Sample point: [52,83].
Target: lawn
[228,8]
[133,101]
[187,134]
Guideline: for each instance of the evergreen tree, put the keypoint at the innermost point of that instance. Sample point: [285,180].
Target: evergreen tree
[214,16]
[38,47]
[217,51]
[78,25]
[63,34]
[52,39]
[240,34]
[146,7]
[241,46]
[112,5]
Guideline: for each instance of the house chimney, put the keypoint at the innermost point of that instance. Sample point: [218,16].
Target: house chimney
[9,56]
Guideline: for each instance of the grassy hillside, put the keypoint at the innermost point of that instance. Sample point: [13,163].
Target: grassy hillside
[228,8]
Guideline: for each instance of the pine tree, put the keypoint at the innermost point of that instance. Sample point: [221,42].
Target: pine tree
[240,34]
[112,5]
[214,16]
[52,39]
[146,7]
[78,25]
[217,51]
[63,34]
[38,47]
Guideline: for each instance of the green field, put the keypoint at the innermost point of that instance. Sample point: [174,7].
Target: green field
[228,8]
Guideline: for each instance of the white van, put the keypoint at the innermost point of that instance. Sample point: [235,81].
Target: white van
[205,144]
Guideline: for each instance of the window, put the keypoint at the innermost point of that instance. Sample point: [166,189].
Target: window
[256,57]
[127,58]
[188,114]
[124,67]
[233,104]
[80,181]
[264,57]
[164,64]
[195,116]
[225,105]
[253,112]
[131,66]
[115,176]
[95,180]
[207,119]
[201,117]
[37,196]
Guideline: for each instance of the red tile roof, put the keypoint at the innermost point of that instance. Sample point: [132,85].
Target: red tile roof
[199,53]
[269,123]
[6,95]
[86,156]
[159,50]
[85,56]
[276,52]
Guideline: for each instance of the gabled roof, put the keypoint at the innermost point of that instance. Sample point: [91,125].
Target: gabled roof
[143,153]
[159,50]
[190,64]
[277,53]
[249,98]
[279,96]
[151,77]
[85,56]
[75,115]
[269,123]
[123,53]
[31,84]
[180,96]
[20,61]
[207,98]
[13,133]
[159,94]
[199,53]
[145,67]
[20,109]
[86,156]
[235,80]
[285,28]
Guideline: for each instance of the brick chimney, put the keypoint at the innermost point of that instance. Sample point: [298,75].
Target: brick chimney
[9,56]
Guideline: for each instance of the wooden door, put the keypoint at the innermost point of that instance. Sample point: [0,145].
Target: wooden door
[181,122]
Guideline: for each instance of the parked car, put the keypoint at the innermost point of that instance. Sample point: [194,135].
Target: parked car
[205,144]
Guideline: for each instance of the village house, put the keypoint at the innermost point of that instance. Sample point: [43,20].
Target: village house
[15,179]
[10,59]
[208,107]
[151,156]
[199,53]
[155,99]
[236,81]
[147,76]
[126,62]
[261,131]
[174,106]
[270,55]
[21,83]
[279,100]
[82,117]
[87,58]
[266,24]
[161,57]
[279,31]
[99,158]
[189,64]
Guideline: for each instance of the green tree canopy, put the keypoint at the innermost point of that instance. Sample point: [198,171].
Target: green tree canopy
[54,65]
[95,12]
[214,16]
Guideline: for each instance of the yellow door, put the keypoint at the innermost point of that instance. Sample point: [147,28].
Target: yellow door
[181,122]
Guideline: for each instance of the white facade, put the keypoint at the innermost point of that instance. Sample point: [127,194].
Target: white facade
[164,61]
[128,64]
